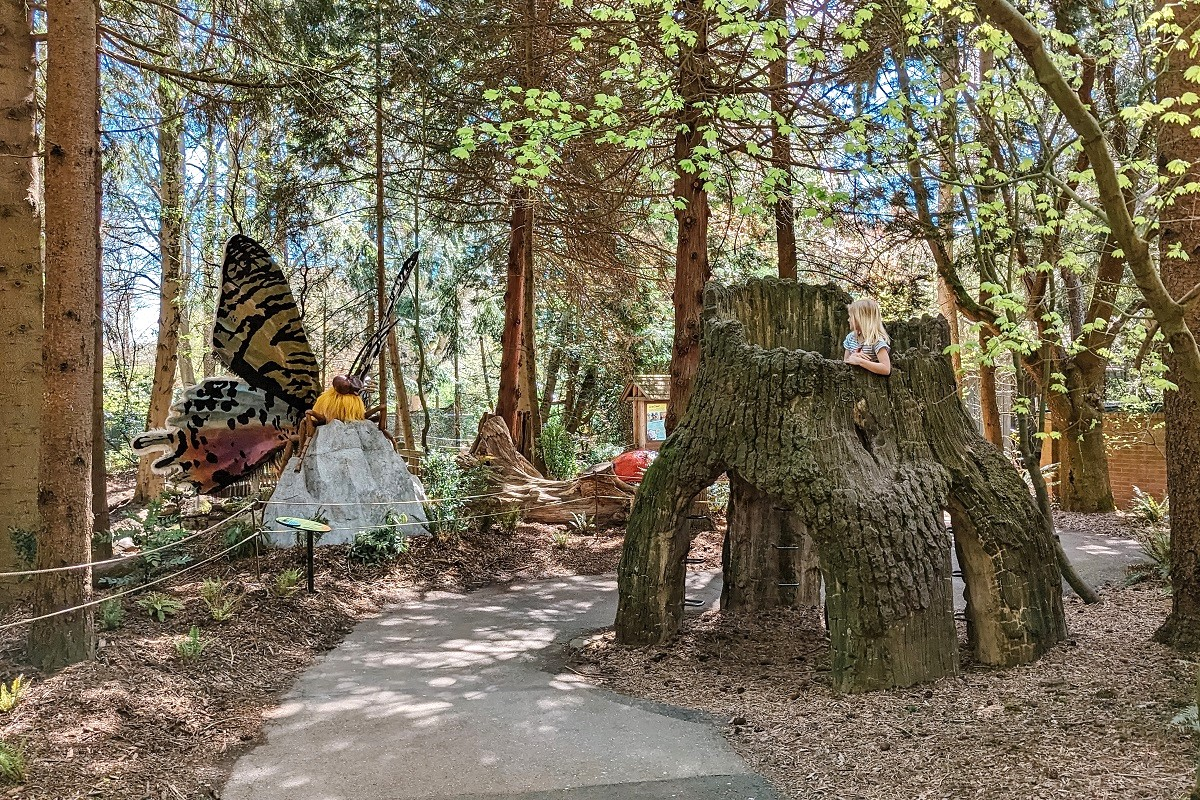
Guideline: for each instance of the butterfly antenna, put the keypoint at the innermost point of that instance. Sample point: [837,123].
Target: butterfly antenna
[374,343]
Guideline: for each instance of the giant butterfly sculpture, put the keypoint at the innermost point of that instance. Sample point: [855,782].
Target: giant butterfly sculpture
[224,428]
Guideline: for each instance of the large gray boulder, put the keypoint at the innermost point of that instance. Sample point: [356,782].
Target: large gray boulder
[352,477]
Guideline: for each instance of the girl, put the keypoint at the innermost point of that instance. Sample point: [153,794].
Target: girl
[867,344]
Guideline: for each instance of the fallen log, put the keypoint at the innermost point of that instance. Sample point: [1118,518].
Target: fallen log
[512,481]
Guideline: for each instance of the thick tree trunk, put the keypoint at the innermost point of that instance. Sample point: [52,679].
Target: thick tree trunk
[170,229]
[514,310]
[69,346]
[769,560]
[1078,416]
[802,427]
[187,370]
[20,279]
[1181,229]
[692,212]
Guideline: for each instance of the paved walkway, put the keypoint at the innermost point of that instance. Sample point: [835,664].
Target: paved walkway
[458,697]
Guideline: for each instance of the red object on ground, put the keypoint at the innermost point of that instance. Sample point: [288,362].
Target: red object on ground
[631,467]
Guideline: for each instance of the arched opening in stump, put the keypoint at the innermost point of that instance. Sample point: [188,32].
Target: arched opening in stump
[838,472]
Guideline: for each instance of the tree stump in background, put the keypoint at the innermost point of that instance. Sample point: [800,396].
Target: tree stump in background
[864,465]
[513,481]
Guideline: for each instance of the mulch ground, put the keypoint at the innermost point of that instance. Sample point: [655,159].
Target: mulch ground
[1091,719]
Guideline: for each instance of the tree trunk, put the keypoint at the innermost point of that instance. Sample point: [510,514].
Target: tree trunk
[483,368]
[69,344]
[529,416]
[20,279]
[187,371]
[404,428]
[692,212]
[769,560]
[381,292]
[1181,229]
[553,367]
[802,427]
[170,199]
[781,145]
[514,310]
[989,407]
[1078,416]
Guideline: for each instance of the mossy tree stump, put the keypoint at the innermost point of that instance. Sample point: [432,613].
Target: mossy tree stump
[866,467]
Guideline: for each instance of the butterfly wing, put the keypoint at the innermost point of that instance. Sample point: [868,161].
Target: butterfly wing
[258,332]
[219,431]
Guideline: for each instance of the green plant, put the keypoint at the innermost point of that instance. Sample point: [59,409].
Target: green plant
[559,450]
[10,694]
[383,543]
[159,605]
[222,603]
[12,762]
[509,519]
[449,485]
[191,647]
[582,525]
[561,539]
[236,536]
[112,613]
[25,545]
[287,583]
[1148,509]
[1155,544]
[717,497]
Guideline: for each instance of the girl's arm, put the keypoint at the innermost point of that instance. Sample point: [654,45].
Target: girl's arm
[846,355]
[881,367]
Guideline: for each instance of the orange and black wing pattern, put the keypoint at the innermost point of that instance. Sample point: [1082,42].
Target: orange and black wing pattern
[258,332]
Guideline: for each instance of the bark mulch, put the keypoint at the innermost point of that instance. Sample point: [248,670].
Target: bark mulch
[139,722]
[1089,720]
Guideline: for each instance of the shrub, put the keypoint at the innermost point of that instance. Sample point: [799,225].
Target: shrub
[509,519]
[235,536]
[159,605]
[1155,544]
[449,484]
[286,583]
[10,694]
[191,647]
[1149,510]
[25,545]
[559,451]
[12,763]
[222,603]
[112,614]
[383,543]
[561,539]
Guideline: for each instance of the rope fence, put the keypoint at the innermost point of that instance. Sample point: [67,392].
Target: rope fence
[134,590]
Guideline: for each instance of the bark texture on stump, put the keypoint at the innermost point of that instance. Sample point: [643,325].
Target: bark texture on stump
[514,481]
[867,465]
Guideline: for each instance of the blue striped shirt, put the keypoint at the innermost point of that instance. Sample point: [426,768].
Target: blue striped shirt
[871,351]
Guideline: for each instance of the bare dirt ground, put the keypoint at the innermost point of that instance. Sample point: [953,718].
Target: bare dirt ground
[1089,720]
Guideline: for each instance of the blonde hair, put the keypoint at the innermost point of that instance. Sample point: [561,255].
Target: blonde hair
[865,316]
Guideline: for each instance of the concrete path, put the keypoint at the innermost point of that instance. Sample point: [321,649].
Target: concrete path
[457,697]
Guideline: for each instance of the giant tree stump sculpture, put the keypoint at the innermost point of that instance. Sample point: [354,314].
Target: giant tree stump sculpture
[865,466]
